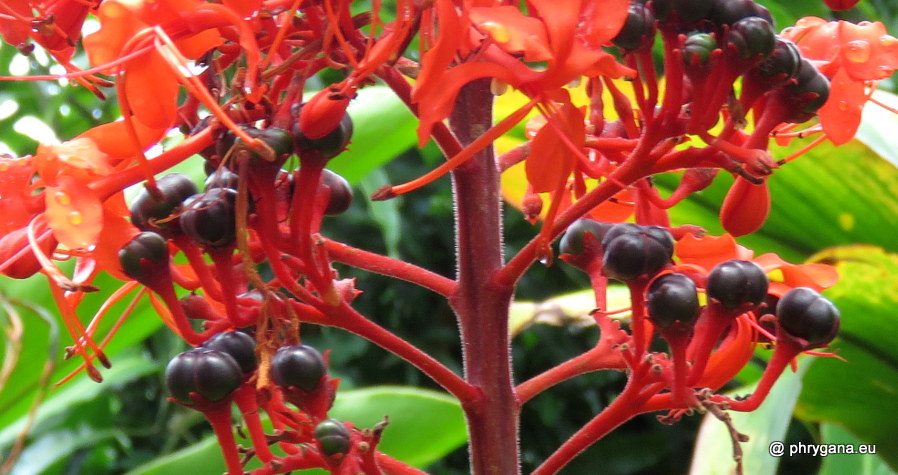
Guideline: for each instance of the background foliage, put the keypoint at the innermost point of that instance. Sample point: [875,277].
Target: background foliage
[833,205]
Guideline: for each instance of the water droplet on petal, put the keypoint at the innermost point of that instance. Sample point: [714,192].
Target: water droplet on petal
[63,198]
[858,51]
[888,41]
[75,218]
[843,105]
[498,31]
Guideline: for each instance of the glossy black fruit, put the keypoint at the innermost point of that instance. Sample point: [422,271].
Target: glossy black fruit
[143,255]
[151,214]
[340,193]
[237,345]
[632,250]
[810,91]
[735,283]
[687,11]
[752,38]
[727,12]
[572,241]
[209,218]
[333,436]
[638,30]
[222,178]
[784,62]
[806,314]
[209,373]
[672,298]
[298,365]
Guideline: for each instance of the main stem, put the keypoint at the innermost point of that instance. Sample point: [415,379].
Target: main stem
[481,306]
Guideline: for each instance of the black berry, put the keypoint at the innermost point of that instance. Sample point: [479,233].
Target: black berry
[806,314]
[672,298]
[143,255]
[632,250]
[151,214]
[298,365]
[209,373]
[209,218]
[237,345]
[735,283]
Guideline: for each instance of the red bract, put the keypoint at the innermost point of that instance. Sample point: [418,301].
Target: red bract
[838,5]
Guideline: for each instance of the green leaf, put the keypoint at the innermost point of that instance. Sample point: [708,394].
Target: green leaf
[424,426]
[383,128]
[841,463]
[385,213]
[127,368]
[860,393]
[714,447]
[21,388]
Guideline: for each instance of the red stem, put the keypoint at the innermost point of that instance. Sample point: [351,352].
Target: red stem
[479,303]
[600,357]
[785,351]
[387,266]
[626,406]
[391,466]
[220,419]
[345,317]
[245,397]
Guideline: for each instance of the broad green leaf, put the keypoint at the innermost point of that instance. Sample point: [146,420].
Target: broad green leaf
[128,367]
[714,448]
[854,463]
[860,393]
[20,390]
[383,128]
[424,426]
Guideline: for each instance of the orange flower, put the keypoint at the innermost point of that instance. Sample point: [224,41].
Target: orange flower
[861,54]
[151,86]
[569,36]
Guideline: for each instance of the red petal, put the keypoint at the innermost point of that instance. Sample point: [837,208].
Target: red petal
[74,213]
[513,30]
[868,51]
[745,207]
[841,115]
[708,251]
[550,161]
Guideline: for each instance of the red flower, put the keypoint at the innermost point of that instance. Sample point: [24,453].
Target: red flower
[569,36]
[854,57]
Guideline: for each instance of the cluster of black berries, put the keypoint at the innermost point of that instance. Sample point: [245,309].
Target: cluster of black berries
[210,373]
[739,31]
[175,207]
[634,253]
